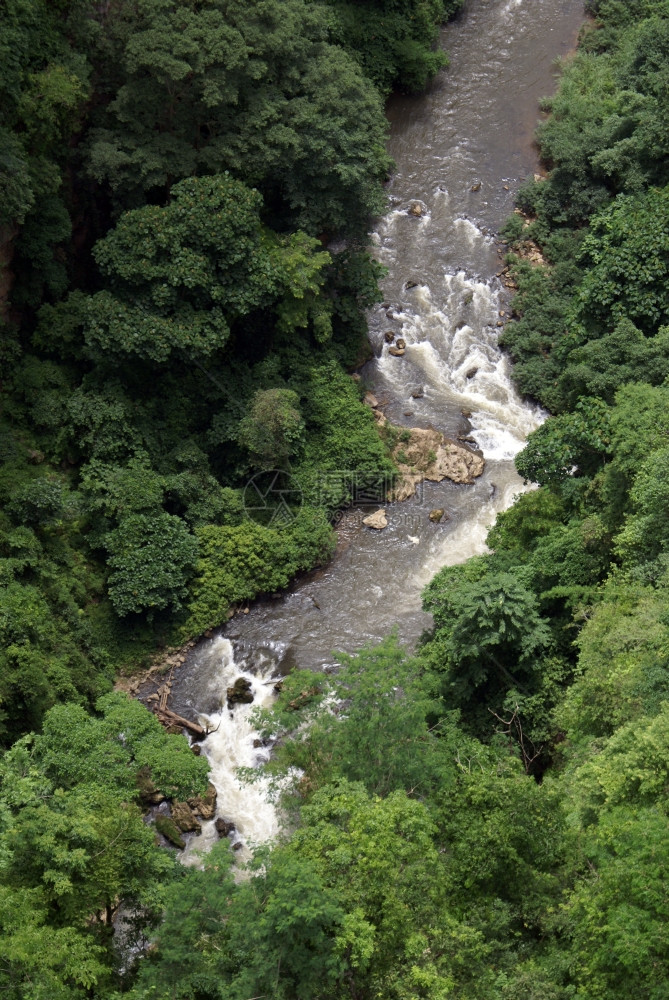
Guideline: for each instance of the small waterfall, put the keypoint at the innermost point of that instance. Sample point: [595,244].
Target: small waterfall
[231,746]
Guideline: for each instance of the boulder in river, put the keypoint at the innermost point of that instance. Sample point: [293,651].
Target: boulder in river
[437,514]
[411,284]
[170,831]
[428,454]
[185,818]
[401,343]
[205,805]
[377,520]
[415,209]
[223,827]
[397,352]
[389,336]
[371,400]
[240,693]
[418,393]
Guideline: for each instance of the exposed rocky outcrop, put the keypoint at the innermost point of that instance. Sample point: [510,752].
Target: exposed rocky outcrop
[377,520]
[185,818]
[428,454]
[204,806]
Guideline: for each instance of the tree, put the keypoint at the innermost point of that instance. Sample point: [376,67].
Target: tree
[183,275]
[490,643]
[625,355]
[274,430]
[43,89]
[570,443]
[257,91]
[621,673]
[626,254]
[74,844]
[645,533]
[151,558]
[112,747]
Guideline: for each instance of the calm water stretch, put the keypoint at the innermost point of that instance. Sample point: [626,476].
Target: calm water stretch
[460,151]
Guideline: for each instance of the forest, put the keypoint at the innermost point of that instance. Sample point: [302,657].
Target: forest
[186,190]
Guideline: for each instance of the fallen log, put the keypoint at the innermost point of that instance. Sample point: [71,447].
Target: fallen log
[170,718]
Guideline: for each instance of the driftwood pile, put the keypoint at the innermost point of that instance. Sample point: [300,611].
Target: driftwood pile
[170,718]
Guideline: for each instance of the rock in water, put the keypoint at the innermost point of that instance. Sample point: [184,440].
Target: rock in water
[401,343]
[240,693]
[170,831]
[389,336]
[371,400]
[223,827]
[396,352]
[429,455]
[376,520]
[437,514]
[185,818]
[205,805]
[415,209]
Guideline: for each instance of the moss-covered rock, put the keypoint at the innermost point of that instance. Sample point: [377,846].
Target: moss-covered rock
[169,830]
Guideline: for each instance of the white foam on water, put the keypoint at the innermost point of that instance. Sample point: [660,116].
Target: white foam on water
[452,337]
[228,747]
[472,232]
[467,538]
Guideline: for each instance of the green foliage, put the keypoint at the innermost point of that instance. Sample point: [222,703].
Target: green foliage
[274,430]
[151,559]
[382,739]
[489,640]
[236,563]
[112,747]
[645,535]
[393,42]
[43,87]
[574,443]
[74,846]
[183,274]
[623,662]
[626,254]
[187,100]
[601,366]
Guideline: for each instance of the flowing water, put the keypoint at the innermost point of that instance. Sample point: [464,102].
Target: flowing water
[460,151]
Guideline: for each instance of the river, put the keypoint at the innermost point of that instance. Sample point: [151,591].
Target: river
[461,150]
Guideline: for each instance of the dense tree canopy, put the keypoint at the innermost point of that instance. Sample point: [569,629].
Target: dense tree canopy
[186,186]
